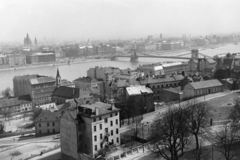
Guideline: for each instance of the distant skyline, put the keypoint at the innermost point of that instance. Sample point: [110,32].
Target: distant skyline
[115,19]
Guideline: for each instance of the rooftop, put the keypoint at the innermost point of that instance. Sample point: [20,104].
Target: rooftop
[138,90]
[100,107]
[206,84]
[13,102]
[86,80]
[42,80]
[47,115]
[163,79]
[66,92]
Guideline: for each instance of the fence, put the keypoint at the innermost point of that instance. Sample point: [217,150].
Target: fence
[15,133]
[139,149]
[43,151]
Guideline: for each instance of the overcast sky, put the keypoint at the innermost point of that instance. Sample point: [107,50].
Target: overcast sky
[113,19]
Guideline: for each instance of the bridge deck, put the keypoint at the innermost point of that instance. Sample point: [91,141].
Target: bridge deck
[174,57]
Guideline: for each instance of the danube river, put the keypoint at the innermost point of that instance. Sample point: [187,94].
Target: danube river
[74,71]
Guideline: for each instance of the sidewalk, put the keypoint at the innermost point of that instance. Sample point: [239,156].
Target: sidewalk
[53,155]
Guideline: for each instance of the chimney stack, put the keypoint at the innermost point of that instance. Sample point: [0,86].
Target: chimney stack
[96,111]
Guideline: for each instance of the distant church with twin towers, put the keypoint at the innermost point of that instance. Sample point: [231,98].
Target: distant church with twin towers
[28,43]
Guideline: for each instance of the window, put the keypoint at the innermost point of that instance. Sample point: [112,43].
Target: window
[116,131]
[116,113]
[39,125]
[110,115]
[94,128]
[153,87]
[158,86]
[106,120]
[53,130]
[48,131]
[117,140]
[101,145]
[111,123]
[95,138]
[100,126]
[94,120]
[48,124]
[112,141]
[111,132]
[100,136]
[100,118]
[95,147]
[116,121]
[162,86]
[106,129]
[40,132]
[53,124]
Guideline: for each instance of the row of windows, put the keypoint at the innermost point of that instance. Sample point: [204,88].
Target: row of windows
[48,131]
[100,125]
[101,135]
[101,145]
[206,91]
[53,124]
[105,120]
[166,85]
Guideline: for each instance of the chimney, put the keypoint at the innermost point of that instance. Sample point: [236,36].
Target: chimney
[96,111]
[112,106]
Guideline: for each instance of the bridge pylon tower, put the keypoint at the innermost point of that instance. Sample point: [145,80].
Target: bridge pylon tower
[134,57]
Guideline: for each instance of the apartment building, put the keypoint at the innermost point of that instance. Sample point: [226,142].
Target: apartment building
[89,129]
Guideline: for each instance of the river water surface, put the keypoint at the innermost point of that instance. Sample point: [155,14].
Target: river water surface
[71,72]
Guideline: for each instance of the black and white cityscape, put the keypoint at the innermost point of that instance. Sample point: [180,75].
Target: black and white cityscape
[119,80]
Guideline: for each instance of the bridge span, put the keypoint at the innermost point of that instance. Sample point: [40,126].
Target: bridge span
[135,58]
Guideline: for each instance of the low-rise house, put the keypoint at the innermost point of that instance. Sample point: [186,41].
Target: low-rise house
[49,106]
[62,93]
[48,122]
[142,92]
[201,88]
[18,104]
[88,130]
[171,94]
[160,82]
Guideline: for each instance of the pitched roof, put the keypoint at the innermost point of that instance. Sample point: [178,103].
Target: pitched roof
[206,84]
[66,92]
[47,115]
[211,60]
[174,90]
[161,79]
[86,80]
[12,102]
[42,80]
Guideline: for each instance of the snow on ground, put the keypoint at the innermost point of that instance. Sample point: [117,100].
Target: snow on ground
[25,151]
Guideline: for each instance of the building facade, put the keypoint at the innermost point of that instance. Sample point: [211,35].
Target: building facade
[88,130]
[157,84]
[16,105]
[201,88]
[40,88]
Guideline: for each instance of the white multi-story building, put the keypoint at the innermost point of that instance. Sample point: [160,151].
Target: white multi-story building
[89,129]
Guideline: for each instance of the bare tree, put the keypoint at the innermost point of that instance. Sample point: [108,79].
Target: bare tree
[2,127]
[5,113]
[197,118]
[201,154]
[226,138]
[236,109]
[6,93]
[169,135]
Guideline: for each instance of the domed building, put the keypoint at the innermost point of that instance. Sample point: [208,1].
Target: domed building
[27,42]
